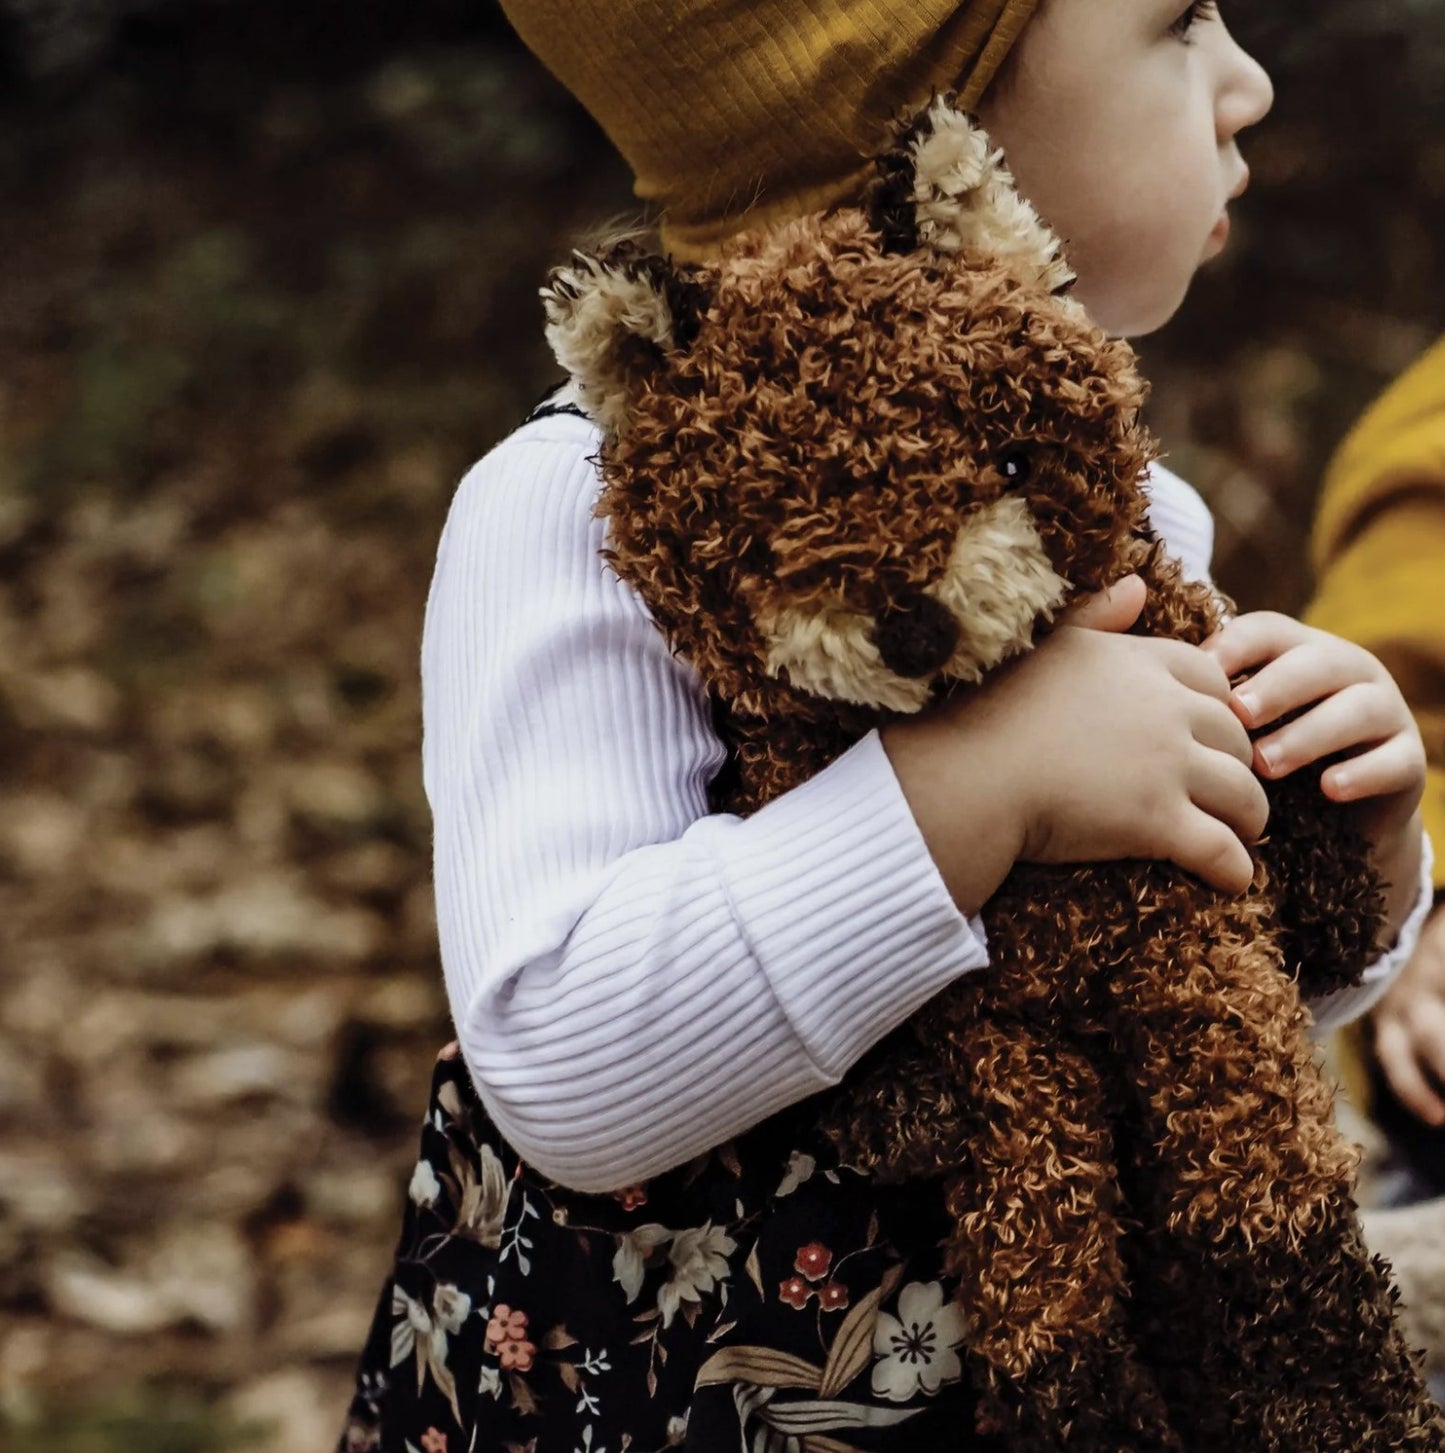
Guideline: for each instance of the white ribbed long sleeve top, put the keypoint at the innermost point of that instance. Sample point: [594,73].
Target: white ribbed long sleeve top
[634,979]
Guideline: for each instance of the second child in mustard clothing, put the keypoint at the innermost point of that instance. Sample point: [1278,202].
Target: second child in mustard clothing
[1379,551]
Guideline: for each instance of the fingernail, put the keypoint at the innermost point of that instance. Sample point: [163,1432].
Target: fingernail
[1247,702]
[1270,757]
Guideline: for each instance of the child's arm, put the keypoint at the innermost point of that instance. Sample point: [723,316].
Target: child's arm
[634,980]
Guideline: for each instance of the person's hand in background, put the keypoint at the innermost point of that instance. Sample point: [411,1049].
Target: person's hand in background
[1409,1027]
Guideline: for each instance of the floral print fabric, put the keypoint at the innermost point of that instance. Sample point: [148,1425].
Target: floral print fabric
[761,1300]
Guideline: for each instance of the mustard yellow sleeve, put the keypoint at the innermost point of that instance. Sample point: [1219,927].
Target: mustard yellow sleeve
[1378,551]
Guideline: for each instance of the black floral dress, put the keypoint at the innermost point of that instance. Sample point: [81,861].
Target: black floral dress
[760,1300]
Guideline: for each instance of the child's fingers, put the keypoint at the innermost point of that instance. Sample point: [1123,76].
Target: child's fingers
[1215,726]
[1204,846]
[1250,640]
[1350,718]
[1402,1069]
[1229,792]
[1192,667]
[1303,674]
[1393,766]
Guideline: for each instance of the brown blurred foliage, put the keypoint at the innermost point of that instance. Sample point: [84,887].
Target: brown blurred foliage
[268,286]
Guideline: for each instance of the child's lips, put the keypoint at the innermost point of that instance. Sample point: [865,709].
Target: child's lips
[1219,233]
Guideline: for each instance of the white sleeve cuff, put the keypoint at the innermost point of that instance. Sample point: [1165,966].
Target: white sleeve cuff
[843,906]
[1345,1005]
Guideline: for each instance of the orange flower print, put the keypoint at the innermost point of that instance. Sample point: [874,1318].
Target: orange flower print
[433,1441]
[795,1292]
[833,1297]
[517,1356]
[505,1325]
[631,1198]
[507,1338]
[813,1261]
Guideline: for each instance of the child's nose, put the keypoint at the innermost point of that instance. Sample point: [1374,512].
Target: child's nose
[1246,94]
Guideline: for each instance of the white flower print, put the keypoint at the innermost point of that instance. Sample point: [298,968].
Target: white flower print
[633,1249]
[915,1349]
[453,1307]
[699,1263]
[425,1187]
[489,1384]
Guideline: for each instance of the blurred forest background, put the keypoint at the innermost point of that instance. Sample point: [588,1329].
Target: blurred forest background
[267,287]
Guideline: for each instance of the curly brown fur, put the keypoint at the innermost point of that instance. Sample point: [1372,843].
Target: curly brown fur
[873,476]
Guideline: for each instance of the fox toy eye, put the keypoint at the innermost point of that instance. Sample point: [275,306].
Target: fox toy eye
[1016,467]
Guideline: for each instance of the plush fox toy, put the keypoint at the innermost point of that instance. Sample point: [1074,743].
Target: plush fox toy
[864,460]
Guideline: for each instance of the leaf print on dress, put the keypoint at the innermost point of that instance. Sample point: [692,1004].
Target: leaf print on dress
[789,1427]
[916,1350]
[480,1192]
[425,1334]
[513,1242]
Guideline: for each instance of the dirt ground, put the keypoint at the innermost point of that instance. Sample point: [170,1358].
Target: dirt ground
[267,290]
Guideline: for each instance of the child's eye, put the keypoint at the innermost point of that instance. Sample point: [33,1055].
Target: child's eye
[1198,10]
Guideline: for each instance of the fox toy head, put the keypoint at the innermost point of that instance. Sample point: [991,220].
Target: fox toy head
[866,454]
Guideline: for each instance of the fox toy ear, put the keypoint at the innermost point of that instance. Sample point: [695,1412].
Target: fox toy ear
[945,186]
[612,318]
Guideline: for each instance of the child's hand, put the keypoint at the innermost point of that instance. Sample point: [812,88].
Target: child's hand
[1354,707]
[1350,705]
[1410,1027]
[1095,747]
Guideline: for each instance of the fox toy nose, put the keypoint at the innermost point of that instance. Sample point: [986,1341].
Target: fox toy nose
[915,636]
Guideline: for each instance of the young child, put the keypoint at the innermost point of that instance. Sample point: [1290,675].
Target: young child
[636,982]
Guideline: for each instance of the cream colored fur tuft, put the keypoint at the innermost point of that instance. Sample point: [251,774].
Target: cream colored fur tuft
[999,585]
[593,310]
[967,201]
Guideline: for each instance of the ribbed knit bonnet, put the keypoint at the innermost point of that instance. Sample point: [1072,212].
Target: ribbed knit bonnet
[733,111]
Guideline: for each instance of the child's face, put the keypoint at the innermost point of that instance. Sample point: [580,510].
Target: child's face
[1120,120]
